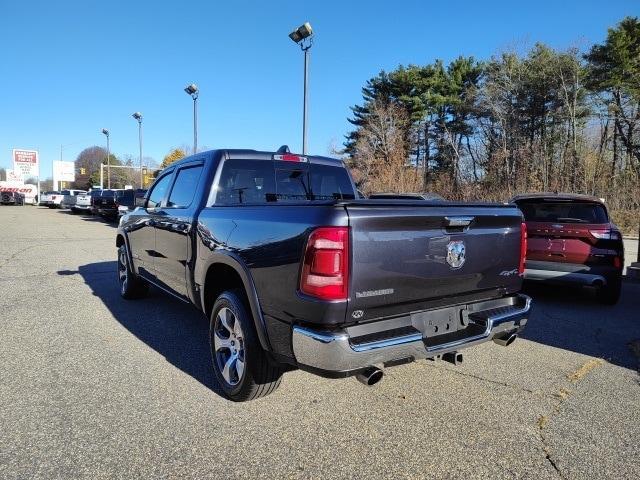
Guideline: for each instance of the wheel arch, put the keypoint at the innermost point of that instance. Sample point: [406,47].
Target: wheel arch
[224,272]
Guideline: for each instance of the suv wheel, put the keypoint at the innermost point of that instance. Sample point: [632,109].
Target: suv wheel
[131,286]
[610,293]
[240,364]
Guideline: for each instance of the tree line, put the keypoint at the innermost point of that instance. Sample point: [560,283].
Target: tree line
[546,120]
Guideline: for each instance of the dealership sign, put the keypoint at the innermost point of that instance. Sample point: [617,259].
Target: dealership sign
[64,171]
[26,162]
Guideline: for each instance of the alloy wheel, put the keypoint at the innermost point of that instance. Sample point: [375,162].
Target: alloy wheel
[123,271]
[228,343]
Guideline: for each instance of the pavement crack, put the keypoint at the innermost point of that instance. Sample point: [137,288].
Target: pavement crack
[488,380]
[15,254]
[562,395]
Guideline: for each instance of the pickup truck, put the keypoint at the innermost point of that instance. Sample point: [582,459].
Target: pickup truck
[46,199]
[293,270]
[70,198]
[83,201]
[106,203]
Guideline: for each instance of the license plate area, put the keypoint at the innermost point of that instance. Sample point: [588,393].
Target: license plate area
[434,323]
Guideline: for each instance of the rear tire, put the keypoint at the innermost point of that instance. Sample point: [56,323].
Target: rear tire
[610,293]
[240,364]
[131,286]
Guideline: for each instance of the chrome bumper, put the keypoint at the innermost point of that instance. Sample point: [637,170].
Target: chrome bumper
[336,352]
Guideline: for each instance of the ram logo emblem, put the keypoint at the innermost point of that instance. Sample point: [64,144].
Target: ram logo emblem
[456,253]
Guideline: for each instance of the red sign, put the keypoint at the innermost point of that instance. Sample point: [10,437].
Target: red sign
[26,161]
[25,156]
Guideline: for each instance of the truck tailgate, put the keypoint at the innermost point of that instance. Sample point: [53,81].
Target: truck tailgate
[399,255]
[83,200]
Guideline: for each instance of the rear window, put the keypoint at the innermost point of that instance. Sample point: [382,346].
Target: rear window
[124,194]
[264,181]
[563,212]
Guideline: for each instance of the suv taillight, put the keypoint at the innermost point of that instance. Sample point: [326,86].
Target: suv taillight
[523,247]
[605,234]
[325,270]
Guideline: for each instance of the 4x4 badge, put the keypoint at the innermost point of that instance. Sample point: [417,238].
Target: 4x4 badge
[456,253]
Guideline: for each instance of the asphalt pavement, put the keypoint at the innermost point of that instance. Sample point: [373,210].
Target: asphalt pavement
[93,386]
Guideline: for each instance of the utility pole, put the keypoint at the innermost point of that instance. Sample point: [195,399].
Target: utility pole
[106,133]
[192,90]
[303,36]
[138,117]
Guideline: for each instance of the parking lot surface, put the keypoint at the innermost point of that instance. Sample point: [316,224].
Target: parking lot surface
[92,386]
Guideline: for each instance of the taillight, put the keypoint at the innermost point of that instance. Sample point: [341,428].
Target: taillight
[523,247]
[605,234]
[325,270]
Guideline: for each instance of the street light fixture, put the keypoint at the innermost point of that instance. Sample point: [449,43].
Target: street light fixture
[138,117]
[192,90]
[303,36]
[106,133]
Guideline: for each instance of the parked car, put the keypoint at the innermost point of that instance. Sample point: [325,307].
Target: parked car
[406,196]
[126,200]
[69,198]
[84,200]
[294,272]
[105,204]
[46,199]
[11,198]
[572,241]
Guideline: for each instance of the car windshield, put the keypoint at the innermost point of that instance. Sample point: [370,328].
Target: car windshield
[563,212]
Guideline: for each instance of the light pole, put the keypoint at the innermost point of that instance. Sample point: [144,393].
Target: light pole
[138,117]
[106,133]
[193,91]
[303,36]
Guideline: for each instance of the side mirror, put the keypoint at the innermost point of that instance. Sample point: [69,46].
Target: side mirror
[141,202]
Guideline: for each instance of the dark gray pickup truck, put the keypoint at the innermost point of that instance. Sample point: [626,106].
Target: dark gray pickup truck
[294,271]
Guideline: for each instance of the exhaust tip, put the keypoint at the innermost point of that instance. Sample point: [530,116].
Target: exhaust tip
[453,357]
[370,376]
[506,340]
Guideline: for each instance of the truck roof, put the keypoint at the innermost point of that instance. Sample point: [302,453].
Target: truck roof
[247,154]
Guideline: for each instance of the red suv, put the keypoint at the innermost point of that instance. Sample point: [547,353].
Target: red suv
[572,240]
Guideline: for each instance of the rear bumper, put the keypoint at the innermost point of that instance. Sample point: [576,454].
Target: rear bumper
[553,276]
[338,353]
[569,273]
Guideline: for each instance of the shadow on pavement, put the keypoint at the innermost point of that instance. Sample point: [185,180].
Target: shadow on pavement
[175,330]
[569,319]
[90,218]
[572,319]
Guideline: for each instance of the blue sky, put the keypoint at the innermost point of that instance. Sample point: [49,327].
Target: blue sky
[70,68]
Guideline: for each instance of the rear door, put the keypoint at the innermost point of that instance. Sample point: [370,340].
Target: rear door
[414,255]
[173,222]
